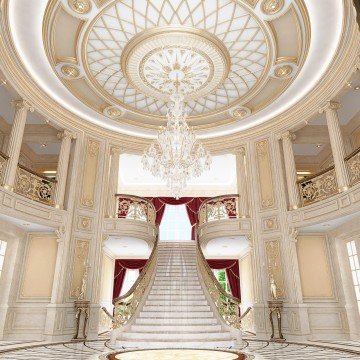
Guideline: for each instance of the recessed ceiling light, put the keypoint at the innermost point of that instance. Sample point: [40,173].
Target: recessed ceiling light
[357,87]
[318,145]
[43,145]
[49,172]
[303,172]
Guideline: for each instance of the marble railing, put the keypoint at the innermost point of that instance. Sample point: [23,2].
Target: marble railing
[135,208]
[323,185]
[34,186]
[3,161]
[126,305]
[219,208]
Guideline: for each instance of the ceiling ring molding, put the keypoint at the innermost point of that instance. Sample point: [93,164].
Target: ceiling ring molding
[26,82]
[247,44]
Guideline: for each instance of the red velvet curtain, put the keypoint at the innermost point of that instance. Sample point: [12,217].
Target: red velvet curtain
[120,270]
[192,208]
[232,273]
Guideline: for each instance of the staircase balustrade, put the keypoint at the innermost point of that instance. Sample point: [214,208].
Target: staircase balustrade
[135,208]
[219,208]
[34,185]
[126,305]
[228,306]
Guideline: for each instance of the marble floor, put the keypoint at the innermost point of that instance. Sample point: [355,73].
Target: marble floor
[260,350]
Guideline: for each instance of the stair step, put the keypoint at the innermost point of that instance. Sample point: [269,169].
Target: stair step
[177,308]
[176,328]
[176,293]
[183,344]
[176,321]
[176,314]
[176,302]
[177,286]
[176,336]
[178,297]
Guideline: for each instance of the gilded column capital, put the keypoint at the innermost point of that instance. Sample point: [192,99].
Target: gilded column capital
[288,135]
[330,105]
[66,134]
[115,150]
[240,151]
[21,104]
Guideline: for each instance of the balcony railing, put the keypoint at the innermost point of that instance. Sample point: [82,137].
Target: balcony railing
[318,187]
[219,208]
[135,208]
[322,185]
[3,160]
[34,186]
[353,165]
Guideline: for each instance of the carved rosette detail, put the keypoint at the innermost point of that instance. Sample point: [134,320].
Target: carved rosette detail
[271,7]
[283,71]
[70,71]
[80,6]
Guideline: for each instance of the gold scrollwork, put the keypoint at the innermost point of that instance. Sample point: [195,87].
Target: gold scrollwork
[93,148]
[353,165]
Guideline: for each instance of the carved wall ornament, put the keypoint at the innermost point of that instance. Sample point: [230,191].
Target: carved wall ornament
[84,223]
[93,148]
[80,267]
[288,135]
[60,232]
[271,223]
[80,6]
[271,7]
[265,174]
[274,269]
[87,202]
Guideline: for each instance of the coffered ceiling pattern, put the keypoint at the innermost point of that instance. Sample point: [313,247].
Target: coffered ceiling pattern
[231,58]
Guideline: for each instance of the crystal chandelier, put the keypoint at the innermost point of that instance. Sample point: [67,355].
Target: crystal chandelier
[176,156]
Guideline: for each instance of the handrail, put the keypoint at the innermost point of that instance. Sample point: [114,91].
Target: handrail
[228,306]
[135,208]
[126,305]
[219,208]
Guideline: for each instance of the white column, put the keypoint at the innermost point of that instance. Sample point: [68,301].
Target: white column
[290,169]
[337,143]
[15,140]
[241,175]
[113,181]
[62,167]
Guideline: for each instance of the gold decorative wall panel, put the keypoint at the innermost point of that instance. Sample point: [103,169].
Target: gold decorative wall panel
[90,173]
[79,267]
[314,266]
[274,269]
[265,174]
[39,267]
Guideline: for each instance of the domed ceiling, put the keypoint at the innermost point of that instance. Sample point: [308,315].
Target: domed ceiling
[230,58]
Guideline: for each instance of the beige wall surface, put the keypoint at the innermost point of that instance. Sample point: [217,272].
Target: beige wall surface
[39,267]
[107,280]
[315,272]
[246,280]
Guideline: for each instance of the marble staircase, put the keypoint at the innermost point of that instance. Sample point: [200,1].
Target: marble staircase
[176,312]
